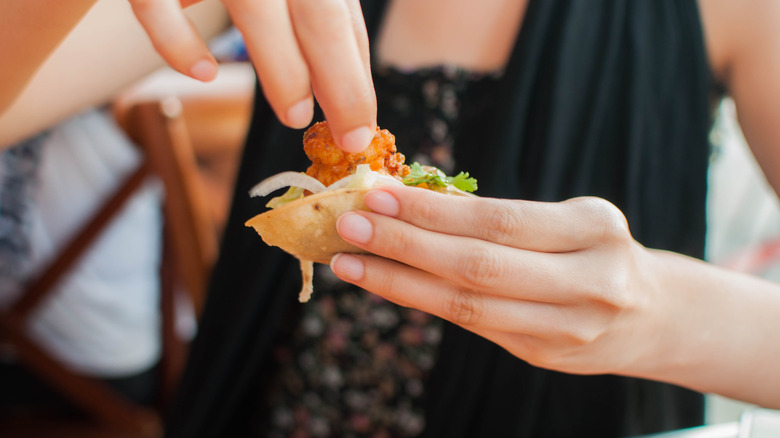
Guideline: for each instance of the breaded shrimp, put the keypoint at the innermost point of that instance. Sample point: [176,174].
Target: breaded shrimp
[330,164]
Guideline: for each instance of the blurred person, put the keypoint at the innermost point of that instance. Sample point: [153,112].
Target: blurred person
[547,101]
[564,105]
[596,115]
[63,154]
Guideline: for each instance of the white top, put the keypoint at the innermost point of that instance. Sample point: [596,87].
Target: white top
[103,318]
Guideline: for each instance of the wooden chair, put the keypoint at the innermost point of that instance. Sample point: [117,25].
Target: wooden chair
[181,131]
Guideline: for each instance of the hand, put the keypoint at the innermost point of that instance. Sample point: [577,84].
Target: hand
[296,46]
[560,285]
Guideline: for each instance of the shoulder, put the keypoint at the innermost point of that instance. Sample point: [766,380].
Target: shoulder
[740,35]
[743,43]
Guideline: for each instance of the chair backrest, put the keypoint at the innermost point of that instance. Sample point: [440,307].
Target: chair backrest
[184,134]
[192,134]
[92,395]
[159,128]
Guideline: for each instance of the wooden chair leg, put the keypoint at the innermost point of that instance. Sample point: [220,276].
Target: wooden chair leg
[173,346]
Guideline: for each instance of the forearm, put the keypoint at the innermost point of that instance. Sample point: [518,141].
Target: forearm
[30,30]
[716,332]
[82,74]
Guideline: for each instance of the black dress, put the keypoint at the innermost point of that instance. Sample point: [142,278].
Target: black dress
[604,98]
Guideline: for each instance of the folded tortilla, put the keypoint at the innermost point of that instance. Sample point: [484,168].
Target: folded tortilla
[306,228]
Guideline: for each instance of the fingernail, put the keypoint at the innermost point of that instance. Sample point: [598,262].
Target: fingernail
[355,227]
[382,202]
[347,267]
[204,70]
[300,114]
[357,139]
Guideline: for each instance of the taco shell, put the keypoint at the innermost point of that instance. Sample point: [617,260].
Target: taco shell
[306,228]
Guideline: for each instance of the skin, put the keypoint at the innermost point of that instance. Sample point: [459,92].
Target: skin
[565,286]
[103,70]
[18,26]
[575,296]
[560,285]
[293,44]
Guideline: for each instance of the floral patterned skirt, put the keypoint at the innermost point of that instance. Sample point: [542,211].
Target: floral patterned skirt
[355,366]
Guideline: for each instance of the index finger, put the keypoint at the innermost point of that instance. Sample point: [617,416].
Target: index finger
[333,40]
[175,38]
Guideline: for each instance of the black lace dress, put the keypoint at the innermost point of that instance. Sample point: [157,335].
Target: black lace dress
[604,98]
[356,364]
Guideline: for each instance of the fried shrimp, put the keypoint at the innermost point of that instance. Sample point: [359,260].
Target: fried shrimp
[303,220]
[330,164]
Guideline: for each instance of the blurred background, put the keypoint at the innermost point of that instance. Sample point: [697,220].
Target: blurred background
[744,220]
[192,134]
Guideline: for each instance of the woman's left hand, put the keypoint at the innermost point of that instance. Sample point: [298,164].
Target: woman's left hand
[560,285]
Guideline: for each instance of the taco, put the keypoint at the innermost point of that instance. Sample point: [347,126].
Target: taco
[302,221]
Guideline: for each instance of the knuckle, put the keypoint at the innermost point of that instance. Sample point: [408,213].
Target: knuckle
[401,243]
[480,268]
[608,288]
[614,293]
[582,335]
[423,212]
[501,223]
[385,281]
[464,308]
[606,221]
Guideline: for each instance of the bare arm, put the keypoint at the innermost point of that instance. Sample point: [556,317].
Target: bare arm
[30,30]
[573,295]
[726,320]
[743,39]
[565,286]
[301,49]
[716,331]
[106,52]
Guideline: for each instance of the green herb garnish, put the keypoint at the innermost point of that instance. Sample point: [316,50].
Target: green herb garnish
[435,177]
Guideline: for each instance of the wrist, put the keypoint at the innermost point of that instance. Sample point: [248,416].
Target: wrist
[710,324]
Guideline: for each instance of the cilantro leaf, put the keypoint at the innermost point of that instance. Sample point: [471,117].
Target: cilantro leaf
[463,181]
[434,177]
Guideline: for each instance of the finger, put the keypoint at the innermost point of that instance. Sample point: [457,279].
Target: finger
[537,226]
[544,334]
[175,38]
[410,287]
[273,48]
[361,37]
[470,263]
[361,34]
[326,32]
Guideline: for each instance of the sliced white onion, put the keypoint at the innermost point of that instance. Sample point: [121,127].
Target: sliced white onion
[286,179]
[364,178]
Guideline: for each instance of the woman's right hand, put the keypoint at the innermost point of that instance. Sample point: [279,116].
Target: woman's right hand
[301,49]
